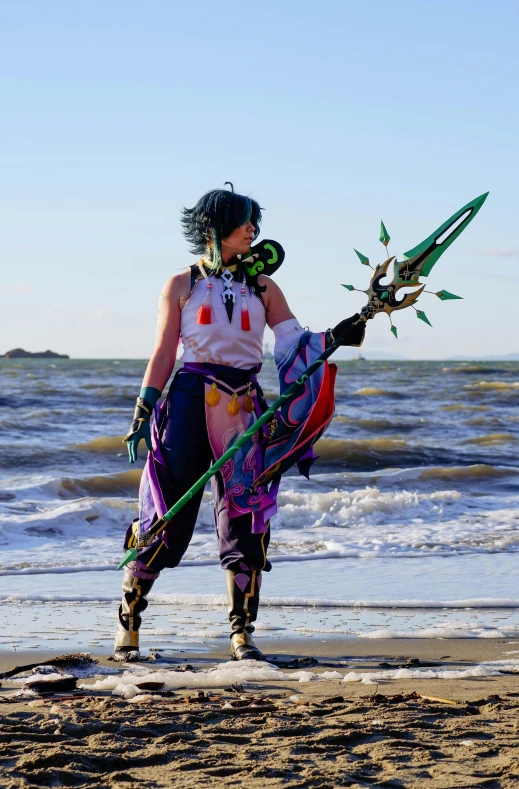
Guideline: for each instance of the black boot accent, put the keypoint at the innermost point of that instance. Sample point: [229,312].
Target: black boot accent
[126,647]
[243,595]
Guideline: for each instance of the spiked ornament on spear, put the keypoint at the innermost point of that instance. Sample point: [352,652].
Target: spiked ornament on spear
[418,262]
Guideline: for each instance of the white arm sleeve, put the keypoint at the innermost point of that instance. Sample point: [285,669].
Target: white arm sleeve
[287,334]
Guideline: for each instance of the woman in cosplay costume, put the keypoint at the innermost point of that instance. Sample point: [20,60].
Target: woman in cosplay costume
[218,308]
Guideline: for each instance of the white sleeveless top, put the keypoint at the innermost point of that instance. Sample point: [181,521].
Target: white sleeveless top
[221,341]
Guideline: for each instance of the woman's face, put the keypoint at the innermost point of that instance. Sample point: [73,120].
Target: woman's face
[239,241]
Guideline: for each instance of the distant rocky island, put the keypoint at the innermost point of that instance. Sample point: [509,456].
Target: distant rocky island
[19,353]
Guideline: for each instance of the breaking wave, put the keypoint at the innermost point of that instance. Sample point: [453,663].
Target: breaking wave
[492,439]
[370,391]
[126,483]
[370,452]
[494,386]
[220,600]
[102,444]
[380,425]
[478,471]
[463,407]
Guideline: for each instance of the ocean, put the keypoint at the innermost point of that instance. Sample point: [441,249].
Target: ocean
[409,526]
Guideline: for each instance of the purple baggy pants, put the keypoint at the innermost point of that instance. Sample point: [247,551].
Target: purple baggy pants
[187,452]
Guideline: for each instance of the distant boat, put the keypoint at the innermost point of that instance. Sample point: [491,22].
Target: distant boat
[359,358]
[267,353]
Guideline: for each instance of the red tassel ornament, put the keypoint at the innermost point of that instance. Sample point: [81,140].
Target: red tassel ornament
[204,311]
[245,320]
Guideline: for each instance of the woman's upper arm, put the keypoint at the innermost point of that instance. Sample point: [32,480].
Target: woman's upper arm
[276,305]
[168,318]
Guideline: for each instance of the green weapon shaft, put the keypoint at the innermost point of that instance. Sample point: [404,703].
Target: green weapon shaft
[158,526]
[423,257]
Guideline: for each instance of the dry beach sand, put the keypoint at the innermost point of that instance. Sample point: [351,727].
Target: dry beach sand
[289,729]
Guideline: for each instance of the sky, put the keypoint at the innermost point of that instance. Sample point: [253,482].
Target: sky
[333,115]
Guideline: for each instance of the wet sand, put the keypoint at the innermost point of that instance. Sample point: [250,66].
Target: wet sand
[319,733]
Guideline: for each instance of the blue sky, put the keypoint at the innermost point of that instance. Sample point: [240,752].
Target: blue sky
[333,115]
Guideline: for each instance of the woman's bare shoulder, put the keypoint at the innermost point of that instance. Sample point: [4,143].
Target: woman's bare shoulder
[275,302]
[272,288]
[178,286]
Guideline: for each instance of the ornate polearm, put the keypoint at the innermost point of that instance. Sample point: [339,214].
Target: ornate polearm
[418,262]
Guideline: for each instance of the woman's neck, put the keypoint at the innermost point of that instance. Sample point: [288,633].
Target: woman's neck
[227,255]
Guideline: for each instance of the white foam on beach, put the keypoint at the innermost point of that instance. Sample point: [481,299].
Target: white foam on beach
[491,668]
[220,675]
[445,630]
[226,674]
[220,601]
[81,672]
[51,677]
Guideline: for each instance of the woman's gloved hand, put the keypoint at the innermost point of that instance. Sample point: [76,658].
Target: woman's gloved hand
[350,331]
[140,426]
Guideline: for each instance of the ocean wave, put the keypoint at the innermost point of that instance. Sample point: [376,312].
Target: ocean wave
[484,421]
[108,390]
[103,444]
[493,386]
[492,439]
[126,483]
[396,478]
[370,391]
[39,415]
[479,471]
[369,452]
[380,425]
[364,523]
[344,508]
[37,487]
[471,369]
[463,407]
[44,389]
[179,600]
[28,457]
[83,518]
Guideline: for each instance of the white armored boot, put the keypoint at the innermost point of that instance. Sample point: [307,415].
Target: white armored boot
[126,646]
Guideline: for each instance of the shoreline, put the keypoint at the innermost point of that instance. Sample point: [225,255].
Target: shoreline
[286,732]
[361,656]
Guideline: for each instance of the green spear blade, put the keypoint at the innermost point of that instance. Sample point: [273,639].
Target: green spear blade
[363,259]
[348,287]
[420,260]
[395,331]
[423,317]
[384,237]
[444,295]
[129,556]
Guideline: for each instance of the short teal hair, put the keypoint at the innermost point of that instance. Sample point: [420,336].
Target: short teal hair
[216,215]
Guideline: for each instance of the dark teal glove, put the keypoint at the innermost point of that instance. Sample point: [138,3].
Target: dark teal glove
[140,426]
